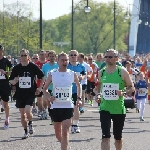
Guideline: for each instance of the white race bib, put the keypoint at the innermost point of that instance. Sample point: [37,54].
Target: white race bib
[2,76]
[25,82]
[109,91]
[63,94]
[143,93]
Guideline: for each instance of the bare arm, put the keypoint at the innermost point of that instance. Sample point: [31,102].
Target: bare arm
[128,82]
[76,80]
[47,83]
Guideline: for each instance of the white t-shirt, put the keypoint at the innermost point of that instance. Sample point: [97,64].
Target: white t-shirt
[87,69]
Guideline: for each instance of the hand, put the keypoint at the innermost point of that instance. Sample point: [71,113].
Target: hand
[2,71]
[16,79]
[38,91]
[119,92]
[80,78]
[78,103]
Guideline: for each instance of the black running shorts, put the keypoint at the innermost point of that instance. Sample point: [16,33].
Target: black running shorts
[61,114]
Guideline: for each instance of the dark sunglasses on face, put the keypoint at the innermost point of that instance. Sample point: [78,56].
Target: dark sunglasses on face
[23,55]
[89,59]
[35,58]
[108,57]
[73,55]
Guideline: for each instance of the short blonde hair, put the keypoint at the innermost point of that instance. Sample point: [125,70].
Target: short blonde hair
[62,54]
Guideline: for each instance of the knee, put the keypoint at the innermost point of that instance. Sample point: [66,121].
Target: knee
[5,104]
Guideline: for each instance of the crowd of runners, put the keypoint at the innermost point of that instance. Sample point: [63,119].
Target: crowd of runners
[58,85]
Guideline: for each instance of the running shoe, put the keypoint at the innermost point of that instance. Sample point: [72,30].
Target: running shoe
[137,110]
[72,129]
[25,136]
[77,129]
[142,119]
[91,103]
[2,109]
[31,129]
[51,122]
[45,115]
[6,125]
[81,110]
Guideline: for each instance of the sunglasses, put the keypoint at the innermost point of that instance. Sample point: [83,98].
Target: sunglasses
[34,58]
[90,59]
[73,55]
[23,55]
[108,57]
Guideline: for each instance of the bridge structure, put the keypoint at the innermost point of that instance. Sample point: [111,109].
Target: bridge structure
[139,34]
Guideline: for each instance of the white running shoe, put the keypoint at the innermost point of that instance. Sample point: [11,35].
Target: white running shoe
[77,129]
[25,136]
[6,125]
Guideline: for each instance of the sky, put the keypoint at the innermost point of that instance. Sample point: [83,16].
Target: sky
[54,8]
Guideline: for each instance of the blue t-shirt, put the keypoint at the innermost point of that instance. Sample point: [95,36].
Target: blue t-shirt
[46,68]
[79,68]
[138,85]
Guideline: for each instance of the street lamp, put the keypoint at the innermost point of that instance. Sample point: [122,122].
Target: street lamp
[87,9]
[114,24]
[41,24]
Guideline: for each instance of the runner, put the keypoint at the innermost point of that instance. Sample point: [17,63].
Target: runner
[141,95]
[91,81]
[40,103]
[24,77]
[89,72]
[62,80]
[112,81]
[46,68]
[80,71]
[5,66]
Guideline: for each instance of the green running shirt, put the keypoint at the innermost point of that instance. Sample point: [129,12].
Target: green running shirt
[110,101]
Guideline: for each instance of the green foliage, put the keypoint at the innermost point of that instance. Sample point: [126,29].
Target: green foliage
[93,32]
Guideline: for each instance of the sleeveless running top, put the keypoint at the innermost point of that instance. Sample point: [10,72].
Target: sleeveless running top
[109,84]
[62,88]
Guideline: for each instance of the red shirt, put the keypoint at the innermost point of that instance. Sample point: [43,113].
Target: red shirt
[39,64]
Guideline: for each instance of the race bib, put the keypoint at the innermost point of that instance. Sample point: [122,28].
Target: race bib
[143,92]
[63,94]
[132,77]
[2,76]
[109,91]
[25,82]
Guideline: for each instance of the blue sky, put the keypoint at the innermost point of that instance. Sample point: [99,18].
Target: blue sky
[54,8]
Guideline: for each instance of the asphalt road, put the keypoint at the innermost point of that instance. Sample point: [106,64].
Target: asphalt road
[135,134]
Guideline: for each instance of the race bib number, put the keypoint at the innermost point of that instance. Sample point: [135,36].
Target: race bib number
[63,94]
[109,91]
[2,76]
[143,92]
[25,82]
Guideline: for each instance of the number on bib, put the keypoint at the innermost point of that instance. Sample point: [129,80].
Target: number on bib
[25,82]
[109,91]
[63,94]
[143,92]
